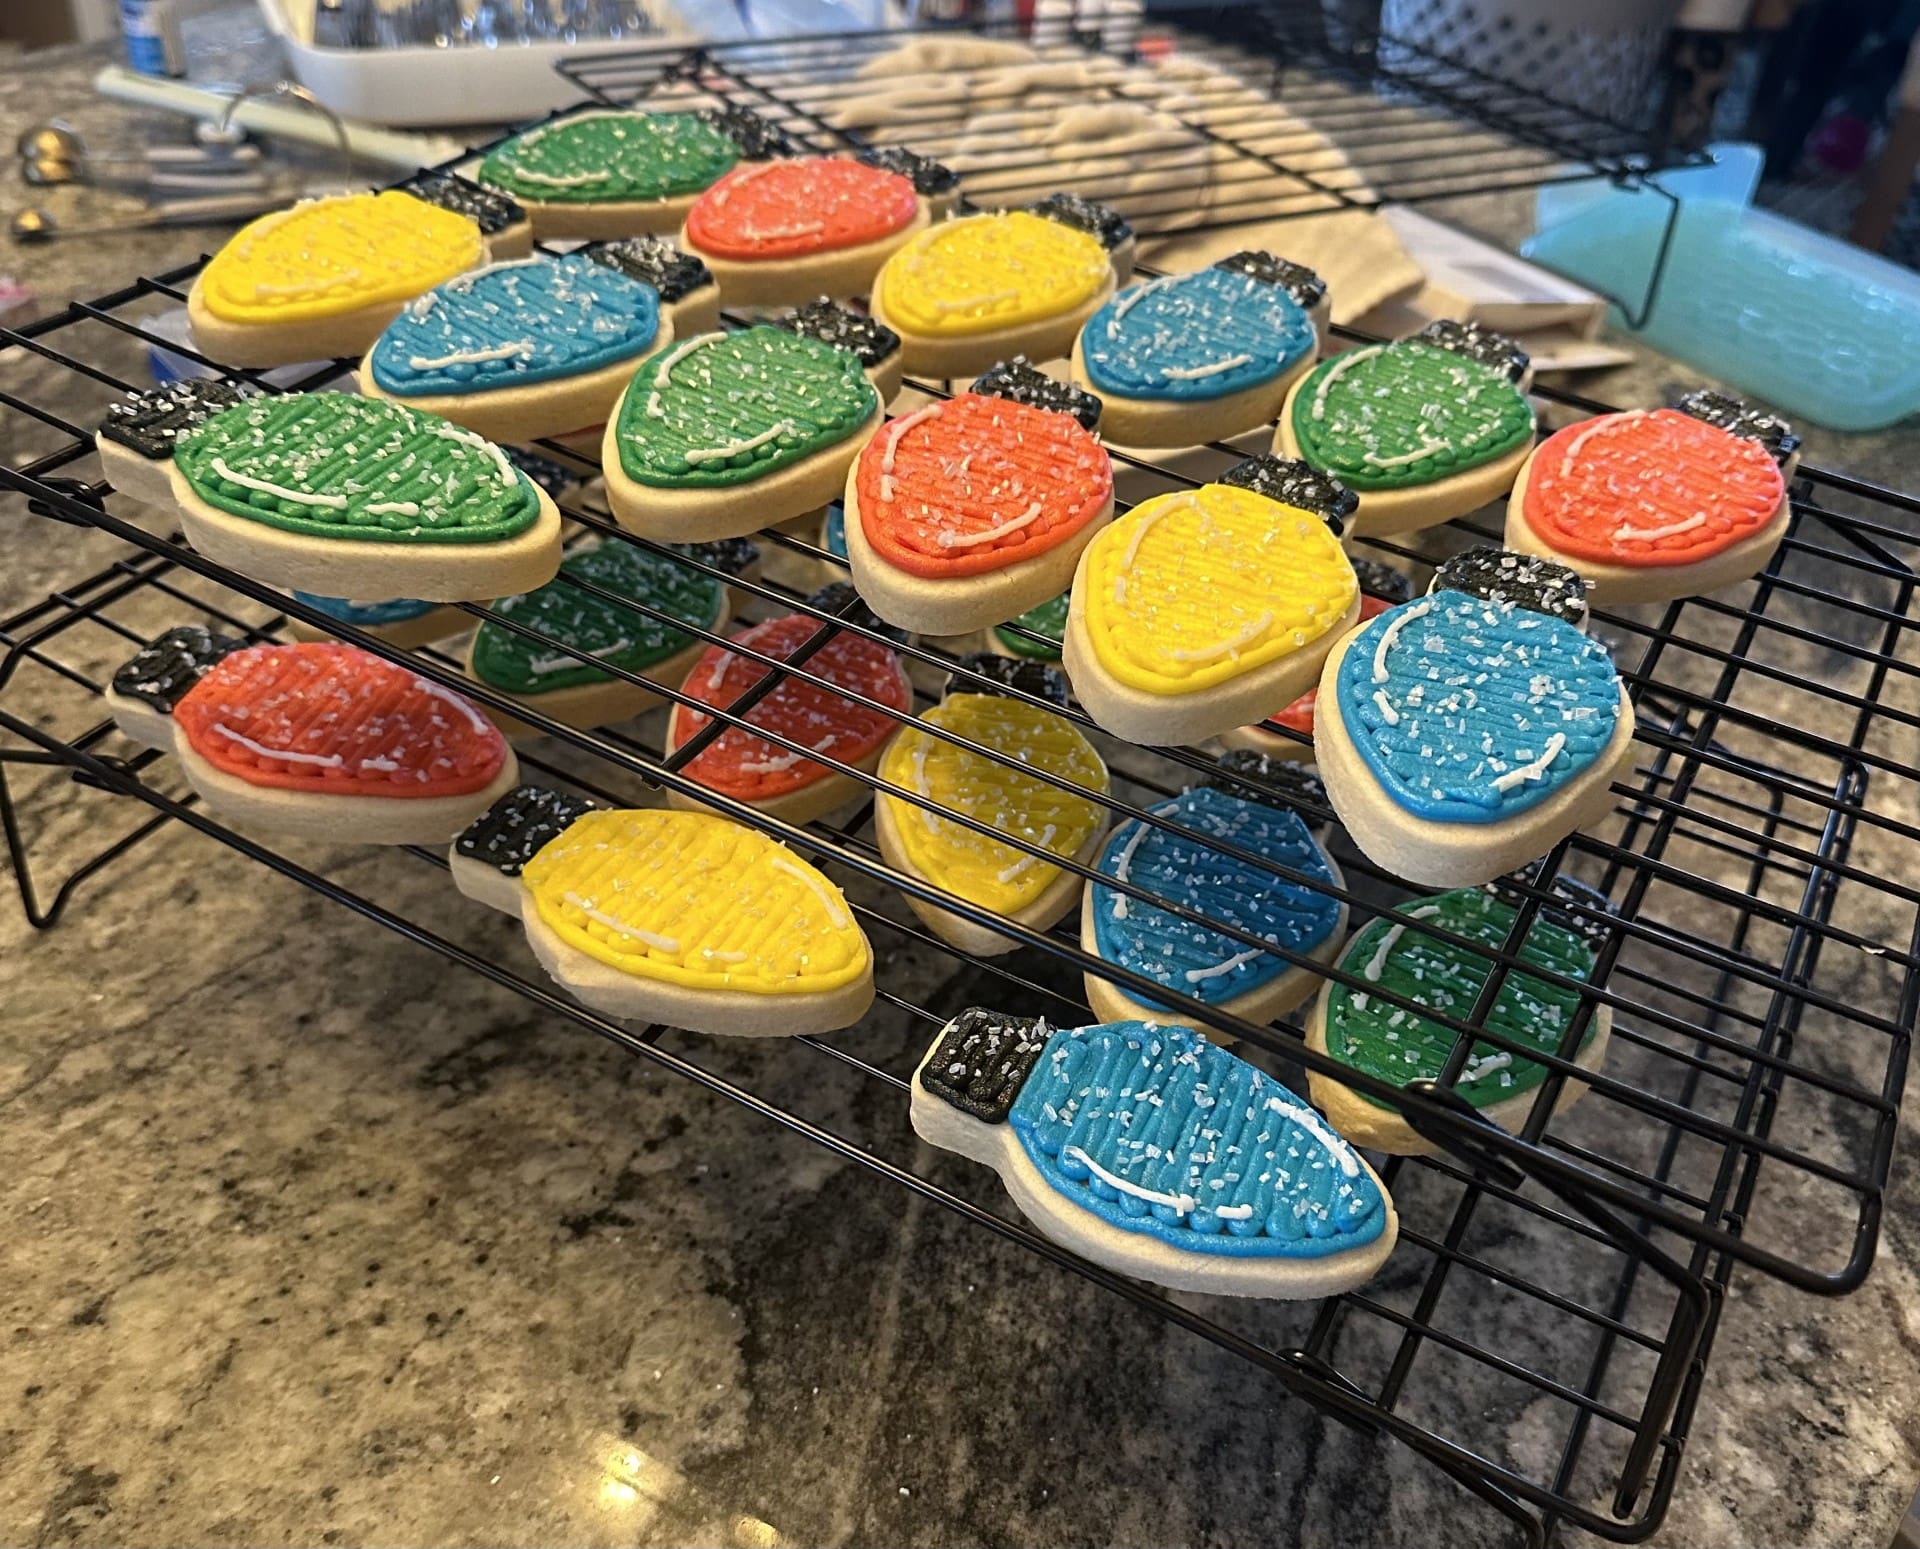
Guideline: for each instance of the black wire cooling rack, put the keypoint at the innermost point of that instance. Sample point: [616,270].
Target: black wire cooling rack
[1762,967]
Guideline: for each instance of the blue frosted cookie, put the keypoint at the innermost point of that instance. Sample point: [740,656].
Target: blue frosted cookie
[1201,356]
[1461,737]
[517,351]
[1149,1150]
[1201,872]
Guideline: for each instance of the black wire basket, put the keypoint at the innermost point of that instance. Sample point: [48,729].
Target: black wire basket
[1761,1008]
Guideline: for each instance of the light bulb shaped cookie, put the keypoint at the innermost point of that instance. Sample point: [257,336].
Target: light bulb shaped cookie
[1050,817]
[1651,506]
[1423,429]
[983,288]
[679,918]
[1187,358]
[1461,737]
[728,433]
[1203,610]
[1393,955]
[1147,1149]
[347,496]
[967,512]
[323,278]
[318,739]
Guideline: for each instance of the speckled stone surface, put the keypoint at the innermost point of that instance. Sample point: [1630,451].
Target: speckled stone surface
[308,1237]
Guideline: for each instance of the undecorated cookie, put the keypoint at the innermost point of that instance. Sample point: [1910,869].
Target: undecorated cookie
[728,433]
[342,495]
[324,741]
[1654,505]
[680,918]
[968,512]
[743,764]
[1460,738]
[1188,358]
[1399,1046]
[1423,430]
[1019,882]
[322,279]
[1206,609]
[521,350]
[1145,1148]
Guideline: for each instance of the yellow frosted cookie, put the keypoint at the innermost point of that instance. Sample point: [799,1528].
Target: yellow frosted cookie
[323,278]
[1208,609]
[1009,881]
[665,916]
[968,293]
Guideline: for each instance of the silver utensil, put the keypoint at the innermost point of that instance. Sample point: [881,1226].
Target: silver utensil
[40,225]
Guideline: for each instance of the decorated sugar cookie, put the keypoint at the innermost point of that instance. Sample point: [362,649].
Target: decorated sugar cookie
[609,173]
[775,778]
[877,345]
[938,186]
[1399,1046]
[1525,580]
[679,918]
[1653,505]
[1205,609]
[520,350]
[137,437]
[348,496]
[546,671]
[1423,430]
[502,221]
[405,622]
[1192,959]
[1460,737]
[1019,883]
[1149,1150]
[317,739]
[1288,733]
[776,232]
[323,278]
[982,288]
[1199,357]
[968,512]
[727,433]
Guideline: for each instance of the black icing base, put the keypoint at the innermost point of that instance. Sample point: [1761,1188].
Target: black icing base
[1592,912]
[1020,381]
[1477,343]
[929,177]
[653,261]
[829,322]
[982,1060]
[1735,414]
[151,421]
[162,671]
[1277,782]
[1294,483]
[1525,580]
[736,556]
[1382,581]
[759,139]
[834,597]
[1010,674]
[517,826]
[493,212]
[1095,219]
[1297,280]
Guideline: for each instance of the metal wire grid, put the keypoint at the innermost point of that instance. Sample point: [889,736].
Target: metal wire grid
[1738,883]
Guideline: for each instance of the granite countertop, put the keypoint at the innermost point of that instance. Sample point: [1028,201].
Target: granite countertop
[308,1238]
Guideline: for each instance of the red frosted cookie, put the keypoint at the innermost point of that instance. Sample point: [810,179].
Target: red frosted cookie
[765,774]
[332,741]
[1654,505]
[781,232]
[967,513]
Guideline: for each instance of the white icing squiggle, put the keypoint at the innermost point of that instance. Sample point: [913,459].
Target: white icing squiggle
[710,454]
[1377,964]
[318,760]
[474,718]
[836,916]
[1182,502]
[1672,529]
[1534,770]
[1424,450]
[1230,647]
[1392,633]
[1240,960]
[520,347]
[663,373]
[245,481]
[953,540]
[1310,1121]
[1212,368]
[646,937]
[1342,365]
[1184,1203]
